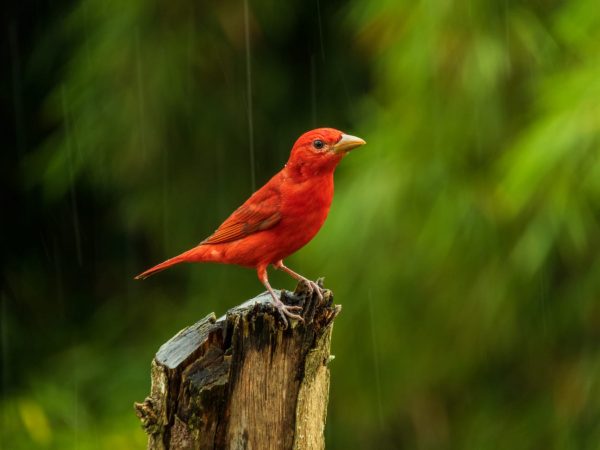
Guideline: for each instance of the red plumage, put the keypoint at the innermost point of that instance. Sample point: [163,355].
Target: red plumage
[279,218]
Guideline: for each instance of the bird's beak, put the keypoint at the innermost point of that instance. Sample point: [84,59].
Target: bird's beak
[347,143]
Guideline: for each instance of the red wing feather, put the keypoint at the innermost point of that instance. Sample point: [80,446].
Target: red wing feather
[260,212]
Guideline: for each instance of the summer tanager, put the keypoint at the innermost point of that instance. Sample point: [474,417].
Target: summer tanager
[279,218]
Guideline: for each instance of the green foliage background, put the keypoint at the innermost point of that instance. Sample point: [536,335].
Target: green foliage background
[463,240]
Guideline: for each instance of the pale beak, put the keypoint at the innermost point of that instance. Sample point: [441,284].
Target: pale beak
[347,143]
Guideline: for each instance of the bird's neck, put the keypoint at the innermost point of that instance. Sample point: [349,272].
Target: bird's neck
[304,170]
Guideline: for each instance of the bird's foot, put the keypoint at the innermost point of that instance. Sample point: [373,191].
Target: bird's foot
[309,295]
[315,288]
[305,291]
[308,287]
[287,311]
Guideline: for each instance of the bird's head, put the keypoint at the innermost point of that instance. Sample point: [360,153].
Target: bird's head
[321,149]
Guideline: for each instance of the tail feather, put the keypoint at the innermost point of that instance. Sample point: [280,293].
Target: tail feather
[159,267]
[191,255]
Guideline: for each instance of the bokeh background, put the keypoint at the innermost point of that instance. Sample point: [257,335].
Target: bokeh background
[463,241]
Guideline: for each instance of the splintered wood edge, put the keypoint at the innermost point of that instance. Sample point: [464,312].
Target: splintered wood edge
[182,347]
[172,357]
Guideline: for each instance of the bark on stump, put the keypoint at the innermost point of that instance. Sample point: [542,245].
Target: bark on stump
[243,382]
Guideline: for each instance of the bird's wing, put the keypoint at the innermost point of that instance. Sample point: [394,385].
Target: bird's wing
[260,212]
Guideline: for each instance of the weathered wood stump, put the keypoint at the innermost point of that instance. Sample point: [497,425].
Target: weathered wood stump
[242,381]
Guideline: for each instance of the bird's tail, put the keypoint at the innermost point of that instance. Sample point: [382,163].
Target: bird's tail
[194,255]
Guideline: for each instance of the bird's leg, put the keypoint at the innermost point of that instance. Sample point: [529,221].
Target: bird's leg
[312,286]
[284,310]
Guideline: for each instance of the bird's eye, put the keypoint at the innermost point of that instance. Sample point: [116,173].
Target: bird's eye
[318,144]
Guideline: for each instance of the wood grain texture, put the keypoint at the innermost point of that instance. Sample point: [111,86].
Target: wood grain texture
[243,382]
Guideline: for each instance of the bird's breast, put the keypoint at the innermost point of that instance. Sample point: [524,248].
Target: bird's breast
[304,208]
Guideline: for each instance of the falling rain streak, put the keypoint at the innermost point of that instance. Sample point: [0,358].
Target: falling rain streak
[249,93]
[313,68]
[376,362]
[313,91]
[4,346]
[319,21]
[72,194]
[16,87]
[165,197]
[140,92]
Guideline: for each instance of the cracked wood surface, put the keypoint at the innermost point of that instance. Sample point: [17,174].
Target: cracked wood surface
[243,382]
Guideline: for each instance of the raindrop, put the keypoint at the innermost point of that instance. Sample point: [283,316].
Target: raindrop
[16,87]
[249,93]
[376,361]
[4,345]
[320,30]
[72,194]
[140,95]
[313,90]
[543,295]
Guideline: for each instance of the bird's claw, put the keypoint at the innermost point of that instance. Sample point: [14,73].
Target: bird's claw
[313,287]
[287,311]
[293,307]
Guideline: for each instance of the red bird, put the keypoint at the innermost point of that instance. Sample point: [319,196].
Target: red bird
[281,217]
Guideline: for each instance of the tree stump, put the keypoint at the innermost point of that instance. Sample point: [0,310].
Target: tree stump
[243,381]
